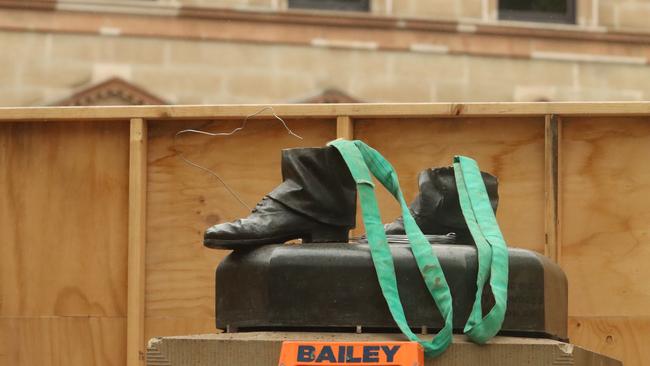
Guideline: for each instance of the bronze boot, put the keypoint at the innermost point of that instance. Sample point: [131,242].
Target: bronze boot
[316,202]
[436,208]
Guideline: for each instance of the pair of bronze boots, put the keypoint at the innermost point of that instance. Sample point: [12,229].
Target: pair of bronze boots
[316,202]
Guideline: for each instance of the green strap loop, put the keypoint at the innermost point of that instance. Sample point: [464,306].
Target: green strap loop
[492,251]
[491,248]
[359,157]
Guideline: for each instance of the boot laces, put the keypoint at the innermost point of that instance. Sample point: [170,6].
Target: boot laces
[259,204]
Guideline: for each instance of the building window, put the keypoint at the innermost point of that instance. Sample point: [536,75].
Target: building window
[551,11]
[336,5]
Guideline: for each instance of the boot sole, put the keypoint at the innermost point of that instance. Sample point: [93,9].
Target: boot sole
[245,243]
[325,236]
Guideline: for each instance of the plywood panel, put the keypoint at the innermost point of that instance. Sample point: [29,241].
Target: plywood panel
[625,339]
[63,218]
[606,235]
[184,201]
[62,341]
[170,326]
[510,148]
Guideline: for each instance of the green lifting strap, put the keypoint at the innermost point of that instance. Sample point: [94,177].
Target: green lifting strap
[491,248]
[359,157]
[492,251]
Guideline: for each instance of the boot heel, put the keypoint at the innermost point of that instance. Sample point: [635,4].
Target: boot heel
[327,235]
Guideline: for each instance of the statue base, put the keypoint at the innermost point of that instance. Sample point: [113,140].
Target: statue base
[333,287]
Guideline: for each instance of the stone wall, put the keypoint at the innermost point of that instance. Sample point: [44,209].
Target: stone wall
[633,15]
[625,15]
[44,68]
[432,9]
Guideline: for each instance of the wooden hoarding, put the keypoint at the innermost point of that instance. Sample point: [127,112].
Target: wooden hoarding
[101,221]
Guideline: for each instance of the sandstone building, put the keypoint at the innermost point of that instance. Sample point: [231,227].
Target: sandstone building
[279,51]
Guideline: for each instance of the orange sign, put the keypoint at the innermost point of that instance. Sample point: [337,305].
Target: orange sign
[351,353]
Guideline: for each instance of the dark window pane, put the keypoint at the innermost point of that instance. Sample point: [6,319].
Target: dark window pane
[548,6]
[345,5]
[553,11]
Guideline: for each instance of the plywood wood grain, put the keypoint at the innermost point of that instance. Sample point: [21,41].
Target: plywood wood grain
[63,218]
[62,341]
[625,339]
[184,201]
[171,326]
[510,148]
[606,235]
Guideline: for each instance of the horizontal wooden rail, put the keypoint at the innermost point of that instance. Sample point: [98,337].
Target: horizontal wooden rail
[356,111]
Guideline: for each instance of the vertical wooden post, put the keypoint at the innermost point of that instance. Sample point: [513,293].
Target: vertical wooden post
[344,128]
[552,135]
[135,351]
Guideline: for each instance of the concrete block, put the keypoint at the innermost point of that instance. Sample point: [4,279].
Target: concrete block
[606,13]
[472,9]
[363,64]
[265,4]
[524,93]
[259,86]
[317,62]
[9,75]
[513,72]
[488,92]
[614,76]
[103,71]
[240,4]
[21,97]
[437,9]
[219,55]
[76,47]
[381,7]
[263,349]
[431,67]
[386,89]
[323,64]
[433,9]
[127,50]
[135,50]
[179,79]
[582,94]
[54,74]
[21,46]
[634,15]
[452,91]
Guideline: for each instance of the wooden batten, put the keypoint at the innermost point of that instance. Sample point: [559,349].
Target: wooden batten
[344,128]
[136,243]
[552,130]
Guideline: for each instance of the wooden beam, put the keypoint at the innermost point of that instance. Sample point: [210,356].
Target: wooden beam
[136,243]
[552,131]
[302,111]
[344,128]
